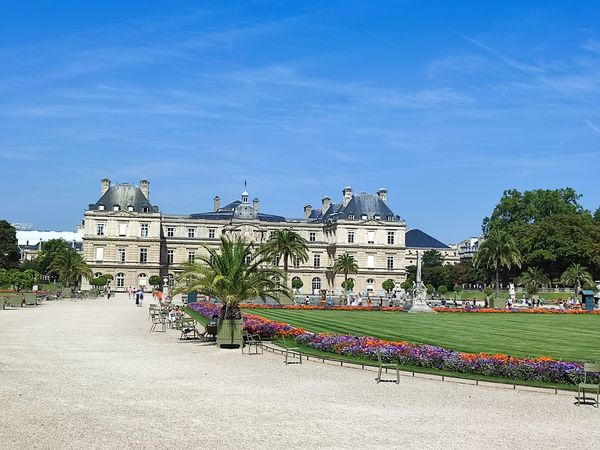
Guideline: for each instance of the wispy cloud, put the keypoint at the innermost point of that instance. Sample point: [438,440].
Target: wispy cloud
[591,125]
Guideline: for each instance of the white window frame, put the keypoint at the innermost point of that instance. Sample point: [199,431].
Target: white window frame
[370,236]
[351,236]
[212,233]
[391,237]
[100,229]
[170,231]
[370,261]
[390,263]
[122,229]
[170,256]
[191,256]
[317,260]
[143,255]
[191,232]
[99,254]
[312,236]
[144,229]
[121,254]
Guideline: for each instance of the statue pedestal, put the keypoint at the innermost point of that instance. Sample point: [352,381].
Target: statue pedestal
[419,308]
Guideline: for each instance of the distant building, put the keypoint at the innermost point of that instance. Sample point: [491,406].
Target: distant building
[128,237]
[417,240]
[30,241]
[466,249]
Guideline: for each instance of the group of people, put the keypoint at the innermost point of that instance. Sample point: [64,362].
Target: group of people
[138,294]
[354,300]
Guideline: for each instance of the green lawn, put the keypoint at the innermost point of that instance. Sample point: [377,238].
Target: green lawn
[567,337]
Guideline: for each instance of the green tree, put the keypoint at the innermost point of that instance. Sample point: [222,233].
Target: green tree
[348,284]
[154,280]
[48,251]
[233,273]
[498,250]
[533,279]
[576,275]
[407,285]
[286,244]
[388,285]
[442,290]
[345,264]
[70,267]
[297,283]
[4,278]
[432,258]
[457,290]
[430,289]
[98,281]
[10,255]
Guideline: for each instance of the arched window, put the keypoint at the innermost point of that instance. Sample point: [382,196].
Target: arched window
[120,280]
[370,284]
[130,208]
[116,208]
[316,284]
[142,279]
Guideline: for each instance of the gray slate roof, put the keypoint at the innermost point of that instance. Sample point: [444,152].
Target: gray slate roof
[416,238]
[237,210]
[124,195]
[360,204]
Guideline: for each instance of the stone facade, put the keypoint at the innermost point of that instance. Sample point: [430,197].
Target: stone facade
[127,237]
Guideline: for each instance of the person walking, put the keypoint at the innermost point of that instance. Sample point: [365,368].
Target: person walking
[108,292]
[137,298]
[141,291]
[130,292]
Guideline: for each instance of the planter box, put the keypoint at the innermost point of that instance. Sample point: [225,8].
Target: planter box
[229,333]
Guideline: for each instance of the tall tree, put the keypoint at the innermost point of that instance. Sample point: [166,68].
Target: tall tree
[498,250]
[70,267]
[533,279]
[345,264]
[286,244]
[233,273]
[9,248]
[577,276]
[432,258]
[48,251]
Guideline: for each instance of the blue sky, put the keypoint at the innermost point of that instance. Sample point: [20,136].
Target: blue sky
[444,105]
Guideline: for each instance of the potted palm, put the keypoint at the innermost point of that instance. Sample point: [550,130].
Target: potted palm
[234,273]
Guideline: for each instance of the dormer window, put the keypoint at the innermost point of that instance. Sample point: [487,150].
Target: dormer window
[364,217]
[350,216]
[390,218]
[130,208]
[100,207]
[116,208]
[146,209]
[377,217]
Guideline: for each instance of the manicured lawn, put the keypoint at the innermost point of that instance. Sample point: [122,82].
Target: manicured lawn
[566,337]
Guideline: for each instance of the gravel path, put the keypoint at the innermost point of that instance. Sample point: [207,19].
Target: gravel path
[88,374]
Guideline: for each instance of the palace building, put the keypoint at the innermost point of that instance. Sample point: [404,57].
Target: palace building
[125,235]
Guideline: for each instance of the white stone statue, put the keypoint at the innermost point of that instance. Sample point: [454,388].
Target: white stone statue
[419,300]
[511,292]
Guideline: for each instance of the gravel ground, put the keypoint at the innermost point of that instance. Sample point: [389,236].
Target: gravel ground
[88,374]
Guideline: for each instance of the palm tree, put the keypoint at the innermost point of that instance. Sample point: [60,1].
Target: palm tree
[233,273]
[286,244]
[498,250]
[533,279]
[345,264]
[70,267]
[576,275]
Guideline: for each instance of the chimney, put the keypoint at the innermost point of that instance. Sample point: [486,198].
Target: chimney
[255,204]
[347,195]
[144,185]
[325,204]
[216,203]
[382,194]
[104,186]
[307,211]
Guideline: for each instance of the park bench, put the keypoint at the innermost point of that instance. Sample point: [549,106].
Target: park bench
[384,366]
[252,341]
[30,299]
[15,301]
[582,387]
[293,351]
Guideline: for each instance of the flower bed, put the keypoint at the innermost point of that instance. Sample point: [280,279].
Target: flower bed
[320,308]
[515,310]
[541,369]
